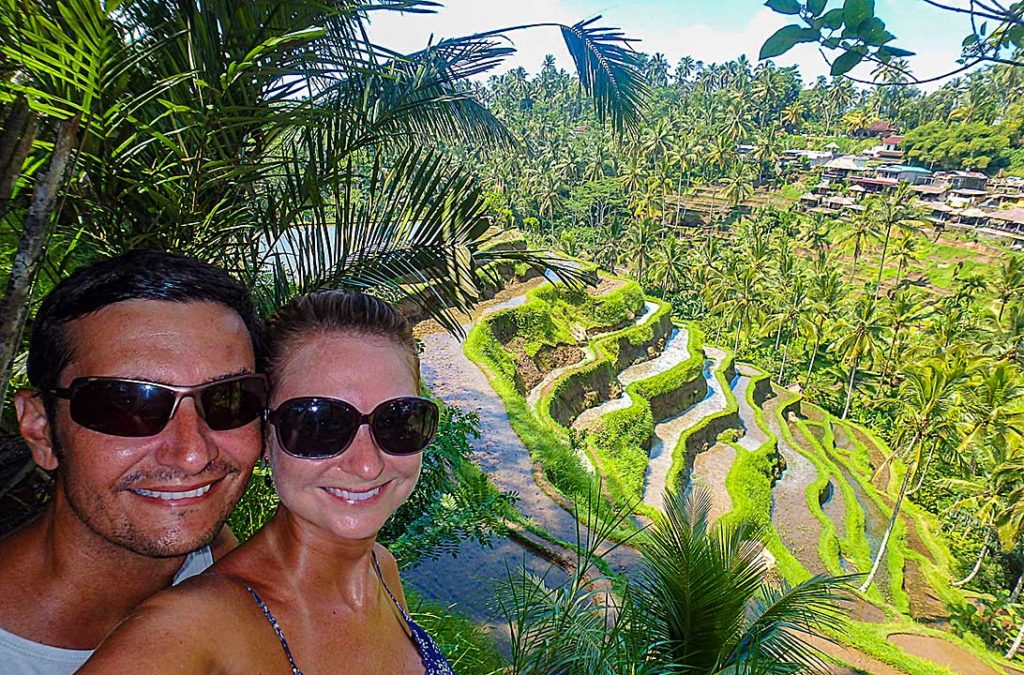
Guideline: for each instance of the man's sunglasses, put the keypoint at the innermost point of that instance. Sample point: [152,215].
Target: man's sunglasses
[318,428]
[135,408]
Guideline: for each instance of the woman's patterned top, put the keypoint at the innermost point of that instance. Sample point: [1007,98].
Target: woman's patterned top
[433,659]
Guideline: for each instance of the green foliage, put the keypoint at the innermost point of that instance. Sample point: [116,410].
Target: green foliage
[468,647]
[976,145]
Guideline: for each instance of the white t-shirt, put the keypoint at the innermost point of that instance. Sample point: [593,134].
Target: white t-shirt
[20,656]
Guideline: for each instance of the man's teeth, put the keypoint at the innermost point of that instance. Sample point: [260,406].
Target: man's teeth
[187,494]
[354,496]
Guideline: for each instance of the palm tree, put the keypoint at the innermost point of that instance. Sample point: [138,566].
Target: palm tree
[635,250]
[1009,284]
[863,231]
[905,253]
[283,145]
[738,297]
[669,267]
[711,605]
[860,335]
[703,602]
[926,398]
[905,308]
[827,292]
[894,211]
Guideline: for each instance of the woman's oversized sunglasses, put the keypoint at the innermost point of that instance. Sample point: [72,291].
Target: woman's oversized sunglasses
[318,428]
[136,408]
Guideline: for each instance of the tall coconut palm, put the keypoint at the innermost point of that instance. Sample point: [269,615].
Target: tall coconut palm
[860,336]
[229,130]
[863,232]
[906,308]
[904,252]
[1009,282]
[827,293]
[926,401]
[893,211]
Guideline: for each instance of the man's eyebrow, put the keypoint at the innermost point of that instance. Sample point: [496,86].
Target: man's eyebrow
[226,376]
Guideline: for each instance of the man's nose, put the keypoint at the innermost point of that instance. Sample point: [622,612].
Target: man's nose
[363,458]
[186,442]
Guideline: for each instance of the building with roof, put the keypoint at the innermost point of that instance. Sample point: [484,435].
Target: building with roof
[966,180]
[874,184]
[878,128]
[915,175]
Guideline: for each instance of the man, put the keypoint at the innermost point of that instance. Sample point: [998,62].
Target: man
[146,404]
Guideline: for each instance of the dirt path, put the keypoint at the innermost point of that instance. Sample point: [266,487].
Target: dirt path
[798,528]
[710,469]
[944,653]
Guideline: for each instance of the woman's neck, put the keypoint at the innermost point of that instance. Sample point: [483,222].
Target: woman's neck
[319,562]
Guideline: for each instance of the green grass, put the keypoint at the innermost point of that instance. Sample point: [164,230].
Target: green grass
[468,647]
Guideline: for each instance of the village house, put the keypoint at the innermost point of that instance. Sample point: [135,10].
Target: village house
[915,175]
[878,129]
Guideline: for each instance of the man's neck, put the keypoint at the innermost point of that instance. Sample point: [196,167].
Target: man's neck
[63,585]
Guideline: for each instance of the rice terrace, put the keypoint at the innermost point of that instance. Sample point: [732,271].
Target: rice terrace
[722,307]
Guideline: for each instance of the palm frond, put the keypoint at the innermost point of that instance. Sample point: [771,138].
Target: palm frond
[609,71]
[782,615]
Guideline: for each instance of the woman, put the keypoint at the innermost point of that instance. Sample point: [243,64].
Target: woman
[312,591]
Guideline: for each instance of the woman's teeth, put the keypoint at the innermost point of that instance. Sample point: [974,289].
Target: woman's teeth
[161,494]
[355,496]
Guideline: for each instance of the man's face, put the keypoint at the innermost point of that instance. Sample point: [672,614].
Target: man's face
[168,494]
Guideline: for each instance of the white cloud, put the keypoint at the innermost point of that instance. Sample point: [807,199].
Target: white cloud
[703,41]
[409,32]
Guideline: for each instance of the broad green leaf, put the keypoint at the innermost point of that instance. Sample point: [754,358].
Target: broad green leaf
[896,51]
[784,39]
[833,18]
[855,12]
[816,7]
[846,62]
[872,31]
[784,6]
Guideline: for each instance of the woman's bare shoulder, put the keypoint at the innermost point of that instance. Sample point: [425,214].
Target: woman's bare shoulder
[181,630]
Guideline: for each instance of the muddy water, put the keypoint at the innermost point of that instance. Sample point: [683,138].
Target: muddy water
[668,432]
[875,523]
[798,528]
[675,352]
[753,436]
[466,580]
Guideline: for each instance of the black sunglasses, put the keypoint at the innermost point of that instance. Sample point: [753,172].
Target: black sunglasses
[135,408]
[318,428]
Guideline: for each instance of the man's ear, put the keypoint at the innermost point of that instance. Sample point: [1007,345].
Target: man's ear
[35,428]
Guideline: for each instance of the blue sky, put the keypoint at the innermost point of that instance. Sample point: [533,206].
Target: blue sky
[710,30]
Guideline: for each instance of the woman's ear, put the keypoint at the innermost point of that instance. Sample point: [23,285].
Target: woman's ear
[34,426]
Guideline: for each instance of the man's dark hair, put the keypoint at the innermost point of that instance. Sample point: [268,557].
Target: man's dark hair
[135,275]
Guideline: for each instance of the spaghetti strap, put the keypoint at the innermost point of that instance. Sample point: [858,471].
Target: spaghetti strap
[433,659]
[277,628]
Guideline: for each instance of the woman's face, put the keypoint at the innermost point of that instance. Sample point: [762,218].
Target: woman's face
[353,494]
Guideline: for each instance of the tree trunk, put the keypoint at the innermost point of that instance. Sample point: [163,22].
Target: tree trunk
[849,387]
[30,248]
[1016,589]
[921,474]
[977,565]
[1012,651]
[892,524]
[16,140]
[782,370]
[814,353]
[881,264]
